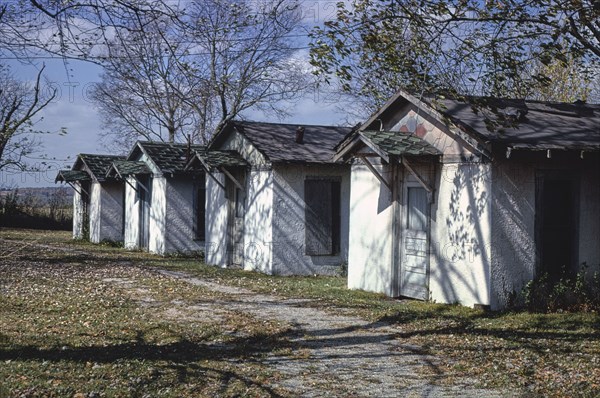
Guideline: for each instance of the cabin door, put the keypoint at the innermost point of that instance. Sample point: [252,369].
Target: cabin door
[556,223]
[414,275]
[144,196]
[237,208]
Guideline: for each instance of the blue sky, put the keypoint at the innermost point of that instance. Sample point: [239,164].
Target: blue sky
[73,110]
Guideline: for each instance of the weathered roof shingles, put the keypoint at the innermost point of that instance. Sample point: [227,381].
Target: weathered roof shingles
[398,144]
[526,124]
[277,142]
[169,157]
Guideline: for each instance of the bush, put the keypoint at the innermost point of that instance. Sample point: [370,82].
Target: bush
[576,293]
[28,211]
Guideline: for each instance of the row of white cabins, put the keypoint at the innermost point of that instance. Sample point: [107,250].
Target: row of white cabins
[429,199]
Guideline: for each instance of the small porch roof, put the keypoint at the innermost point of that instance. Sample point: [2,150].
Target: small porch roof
[388,144]
[123,168]
[214,159]
[71,176]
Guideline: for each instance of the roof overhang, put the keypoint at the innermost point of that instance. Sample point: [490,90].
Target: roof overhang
[122,169]
[215,159]
[69,176]
[387,145]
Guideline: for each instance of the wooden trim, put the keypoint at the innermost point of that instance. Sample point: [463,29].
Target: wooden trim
[145,188]
[232,178]
[375,172]
[421,180]
[75,189]
[219,183]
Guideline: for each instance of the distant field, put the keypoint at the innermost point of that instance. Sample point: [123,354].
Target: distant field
[39,208]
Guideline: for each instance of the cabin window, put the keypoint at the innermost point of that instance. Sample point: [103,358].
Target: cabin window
[322,217]
[417,209]
[200,210]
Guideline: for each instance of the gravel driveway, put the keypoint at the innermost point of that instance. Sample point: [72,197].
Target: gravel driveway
[342,356]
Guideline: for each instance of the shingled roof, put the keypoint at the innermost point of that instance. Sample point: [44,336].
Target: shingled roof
[277,142]
[96,165]
[398,144]
[168,157]
[525,124]
[210,159]
[515,123]
[124,168]
[71,175]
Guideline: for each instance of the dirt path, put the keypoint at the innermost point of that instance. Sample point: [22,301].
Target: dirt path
[336,355]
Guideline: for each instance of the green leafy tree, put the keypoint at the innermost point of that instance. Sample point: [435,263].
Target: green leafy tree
[374,47]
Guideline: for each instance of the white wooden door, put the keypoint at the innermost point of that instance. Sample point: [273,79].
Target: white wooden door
[414,278]
[237,210]
[145,197]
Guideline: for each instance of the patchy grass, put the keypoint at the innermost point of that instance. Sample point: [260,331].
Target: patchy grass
[126,343]
[86,328]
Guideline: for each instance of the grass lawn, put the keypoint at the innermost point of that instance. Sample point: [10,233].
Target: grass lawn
[58,331]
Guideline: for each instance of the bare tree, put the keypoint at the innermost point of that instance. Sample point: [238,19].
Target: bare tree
[191,76]
[140,95]
[20,103]
[244,57]
[70,29]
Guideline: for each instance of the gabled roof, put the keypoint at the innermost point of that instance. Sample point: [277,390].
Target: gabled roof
[211,159]
[95,165]
[277,142]
[168,157]
[511,122]
[124,168]
[72,175]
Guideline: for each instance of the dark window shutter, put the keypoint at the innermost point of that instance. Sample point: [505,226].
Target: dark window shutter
[318,196]
[200,210]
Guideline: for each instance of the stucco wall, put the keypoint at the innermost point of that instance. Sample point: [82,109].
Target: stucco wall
[111,210]
[289,225]
[258,222]
[460,246]
[370,226]
[94,212]
[179,228]
[513,217]
[132,215]
[78,216]
[216,221]
[158,210]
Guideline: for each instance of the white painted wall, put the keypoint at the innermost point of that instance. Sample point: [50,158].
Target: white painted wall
[370,238]
[78,216]
[94,212]
[180,219]
[132,215]
[239,143]
[158,211]
[289,225]
[216,221]
[460,261]
[258,222]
